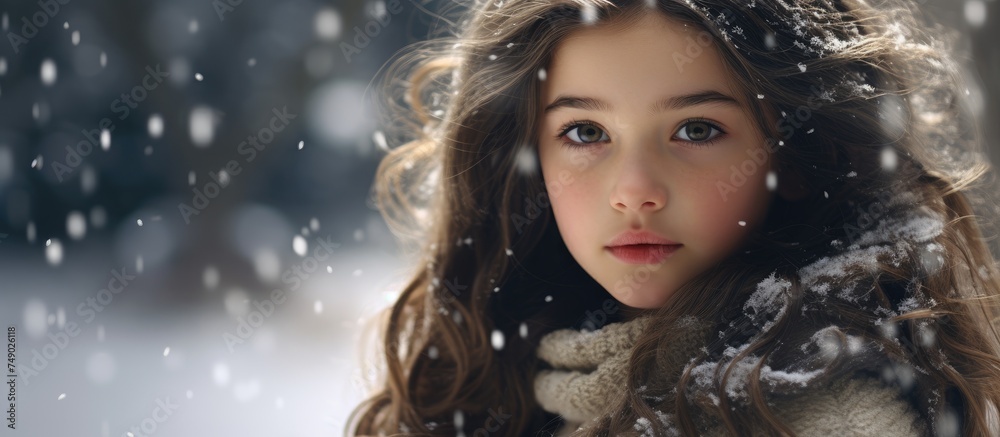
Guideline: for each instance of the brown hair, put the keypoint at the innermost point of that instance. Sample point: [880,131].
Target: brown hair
[491,265]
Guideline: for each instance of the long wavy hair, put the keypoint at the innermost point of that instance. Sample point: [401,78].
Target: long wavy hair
[848,86]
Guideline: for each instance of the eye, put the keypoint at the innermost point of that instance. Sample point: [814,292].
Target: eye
[698,131]
[585,133]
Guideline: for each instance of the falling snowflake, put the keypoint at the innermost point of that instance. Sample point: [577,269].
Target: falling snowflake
[76,225]
[770,41]
[497,339]
[201,125]
[210,277]
[588,13]
[53,251]
[975,12]
[327,24]
[155,126]
[380,141]
[527,163]
[300,245]
[772,181]
[889,158]
[105,139]
[48,72]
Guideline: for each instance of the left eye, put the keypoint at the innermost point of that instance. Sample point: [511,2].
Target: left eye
[698,131]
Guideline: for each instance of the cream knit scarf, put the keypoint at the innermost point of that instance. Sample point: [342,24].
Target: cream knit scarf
[589,368]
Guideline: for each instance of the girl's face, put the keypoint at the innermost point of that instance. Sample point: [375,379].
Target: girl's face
[640,130]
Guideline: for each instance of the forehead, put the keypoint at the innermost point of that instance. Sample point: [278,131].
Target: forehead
[643,60]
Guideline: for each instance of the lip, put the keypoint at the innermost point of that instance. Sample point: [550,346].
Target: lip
[629,238]
[643,253]
[642,247]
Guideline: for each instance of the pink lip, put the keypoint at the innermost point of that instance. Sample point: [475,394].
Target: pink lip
[628,238]
[644,253]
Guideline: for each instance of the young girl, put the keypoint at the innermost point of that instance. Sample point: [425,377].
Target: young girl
[699,217]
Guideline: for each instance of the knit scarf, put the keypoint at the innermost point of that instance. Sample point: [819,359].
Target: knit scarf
[589,369]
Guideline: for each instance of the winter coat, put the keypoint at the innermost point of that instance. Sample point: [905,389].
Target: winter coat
[588,369]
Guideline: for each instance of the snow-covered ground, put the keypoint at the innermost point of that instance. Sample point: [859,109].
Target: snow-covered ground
[146,361]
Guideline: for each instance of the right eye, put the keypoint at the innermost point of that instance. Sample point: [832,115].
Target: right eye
[585,133]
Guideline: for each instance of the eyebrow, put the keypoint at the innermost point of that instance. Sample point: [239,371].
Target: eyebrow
[675,102]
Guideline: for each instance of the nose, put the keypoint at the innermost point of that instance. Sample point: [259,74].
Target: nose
[639,186]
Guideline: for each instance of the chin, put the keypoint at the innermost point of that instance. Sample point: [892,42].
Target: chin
[643,302]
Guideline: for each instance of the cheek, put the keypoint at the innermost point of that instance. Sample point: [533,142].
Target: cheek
[715,215]
[572,199]
[573,194]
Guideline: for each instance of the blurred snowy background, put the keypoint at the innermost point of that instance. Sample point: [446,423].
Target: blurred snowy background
[136,314]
